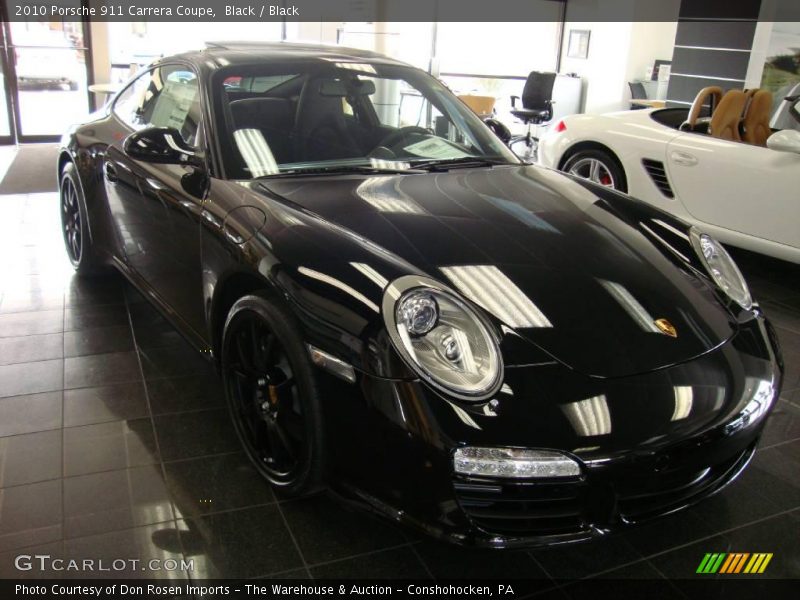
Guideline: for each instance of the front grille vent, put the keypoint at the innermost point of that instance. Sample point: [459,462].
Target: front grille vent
[655,168]
[522,507]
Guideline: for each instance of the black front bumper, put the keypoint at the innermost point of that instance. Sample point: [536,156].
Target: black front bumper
[646,454]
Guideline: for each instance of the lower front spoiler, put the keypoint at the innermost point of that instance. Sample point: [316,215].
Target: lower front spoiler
[621,512]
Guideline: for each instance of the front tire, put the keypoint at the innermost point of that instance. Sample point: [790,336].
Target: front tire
[75,225]
[597,166]
[272,395]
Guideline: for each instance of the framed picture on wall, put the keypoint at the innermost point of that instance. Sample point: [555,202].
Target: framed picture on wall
[661,69]
[578,46]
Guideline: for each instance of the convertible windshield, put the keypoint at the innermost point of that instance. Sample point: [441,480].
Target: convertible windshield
[315,117]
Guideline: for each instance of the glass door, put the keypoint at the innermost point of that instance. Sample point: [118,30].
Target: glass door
[47,70]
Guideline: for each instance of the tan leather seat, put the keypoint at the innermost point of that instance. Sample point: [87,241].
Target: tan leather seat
[712,96]
[756,118]
[728,115]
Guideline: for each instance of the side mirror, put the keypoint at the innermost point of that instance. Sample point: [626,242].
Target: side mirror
[499,130]
[160,145]
[787,140]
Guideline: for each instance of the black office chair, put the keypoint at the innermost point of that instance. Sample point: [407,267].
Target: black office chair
[638,92]
[537,108]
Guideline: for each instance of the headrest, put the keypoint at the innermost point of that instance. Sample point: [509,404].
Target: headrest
[259,112]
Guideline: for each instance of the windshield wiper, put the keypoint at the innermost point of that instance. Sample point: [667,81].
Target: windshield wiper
[328,170]
[445,164]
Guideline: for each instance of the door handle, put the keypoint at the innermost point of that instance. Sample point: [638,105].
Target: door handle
[683,158]
[111,172]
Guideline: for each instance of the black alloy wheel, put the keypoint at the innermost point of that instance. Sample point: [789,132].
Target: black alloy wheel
[272,396]
[71,220]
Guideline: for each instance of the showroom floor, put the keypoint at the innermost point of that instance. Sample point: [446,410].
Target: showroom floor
[115,444]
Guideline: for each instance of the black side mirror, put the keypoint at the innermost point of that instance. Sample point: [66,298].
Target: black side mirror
[161,145]
[499,130]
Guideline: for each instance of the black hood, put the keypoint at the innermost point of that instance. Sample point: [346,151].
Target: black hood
[581,273]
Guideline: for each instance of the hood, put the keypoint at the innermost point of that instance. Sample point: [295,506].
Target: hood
[579,272]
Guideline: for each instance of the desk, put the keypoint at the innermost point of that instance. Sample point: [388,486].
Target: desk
[648,103]
[104,89]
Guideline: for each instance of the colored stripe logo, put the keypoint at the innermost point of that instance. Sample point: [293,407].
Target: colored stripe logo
[734,562]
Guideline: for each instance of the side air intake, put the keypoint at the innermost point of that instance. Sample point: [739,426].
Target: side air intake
[658,174]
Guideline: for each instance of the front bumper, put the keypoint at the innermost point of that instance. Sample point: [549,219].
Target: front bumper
[648,445]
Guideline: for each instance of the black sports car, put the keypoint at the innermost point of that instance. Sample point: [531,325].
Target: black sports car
[400,308]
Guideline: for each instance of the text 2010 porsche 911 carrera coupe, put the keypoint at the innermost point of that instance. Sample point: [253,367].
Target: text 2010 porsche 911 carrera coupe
[497,353]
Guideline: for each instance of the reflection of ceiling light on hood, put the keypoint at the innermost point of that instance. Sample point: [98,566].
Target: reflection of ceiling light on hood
[683,402]
[589,417]
[382,194]
[493,290]
[631,305]
[371,274]
[340,285]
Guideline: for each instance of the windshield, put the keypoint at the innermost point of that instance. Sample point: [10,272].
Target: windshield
[312,117]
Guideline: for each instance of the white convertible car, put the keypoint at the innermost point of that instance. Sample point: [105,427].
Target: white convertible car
[730,173]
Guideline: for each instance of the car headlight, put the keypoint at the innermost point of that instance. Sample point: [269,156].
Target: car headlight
[445,341]
[721,267]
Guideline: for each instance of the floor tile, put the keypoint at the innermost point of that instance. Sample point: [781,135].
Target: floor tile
[143,544]
[173,361]
[187,435]
[766,536]
[31,378]
[326,530]
[31,323]
[179,394]
[217,483]
[790,346]
[448,561]
[31,348]
[92,317]
[98,341]
[101,369]
[576,561]
[776,476]
[30,514]
[640,580]
[35,562]
[109,446]
[242,543]
[115,500]
[30,457]
[667,532]
[783,424]
[399,563]
[30,413]
[116,402]
[97,291]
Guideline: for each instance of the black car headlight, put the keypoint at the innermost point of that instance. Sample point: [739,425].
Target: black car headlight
[721,268]
[444,340]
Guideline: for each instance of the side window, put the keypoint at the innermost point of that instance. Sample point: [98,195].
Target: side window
[167,96]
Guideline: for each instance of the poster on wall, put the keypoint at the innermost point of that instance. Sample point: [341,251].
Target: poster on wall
[781,73]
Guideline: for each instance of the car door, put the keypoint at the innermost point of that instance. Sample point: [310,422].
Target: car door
[743,188]
[156,207]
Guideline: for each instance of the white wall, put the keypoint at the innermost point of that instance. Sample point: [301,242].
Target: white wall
[619,52]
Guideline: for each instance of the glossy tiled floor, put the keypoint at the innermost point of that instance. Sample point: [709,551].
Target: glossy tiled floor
[114,443]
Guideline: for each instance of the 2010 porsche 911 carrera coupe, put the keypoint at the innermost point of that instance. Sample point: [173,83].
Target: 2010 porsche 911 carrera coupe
[496,353]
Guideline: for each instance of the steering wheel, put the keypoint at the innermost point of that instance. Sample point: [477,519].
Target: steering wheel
[400,135]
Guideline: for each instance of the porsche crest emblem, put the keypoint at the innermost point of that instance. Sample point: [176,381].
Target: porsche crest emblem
[666,328]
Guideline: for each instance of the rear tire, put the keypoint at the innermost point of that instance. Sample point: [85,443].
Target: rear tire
[75,226]
[597,166]
[273,395]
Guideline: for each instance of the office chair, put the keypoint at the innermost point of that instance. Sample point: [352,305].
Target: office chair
[638,92]
[537,107]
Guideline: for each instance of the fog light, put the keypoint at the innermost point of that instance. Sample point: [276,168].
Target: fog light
[514,462]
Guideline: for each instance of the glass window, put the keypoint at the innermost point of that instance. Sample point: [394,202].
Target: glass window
[167,96]
[346,115]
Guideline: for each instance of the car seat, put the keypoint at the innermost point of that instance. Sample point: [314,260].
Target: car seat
[756,118]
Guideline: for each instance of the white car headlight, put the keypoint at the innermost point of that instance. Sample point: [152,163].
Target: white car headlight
[445,341]
[721,267]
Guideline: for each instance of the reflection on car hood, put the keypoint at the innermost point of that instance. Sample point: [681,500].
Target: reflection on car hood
[565,268]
